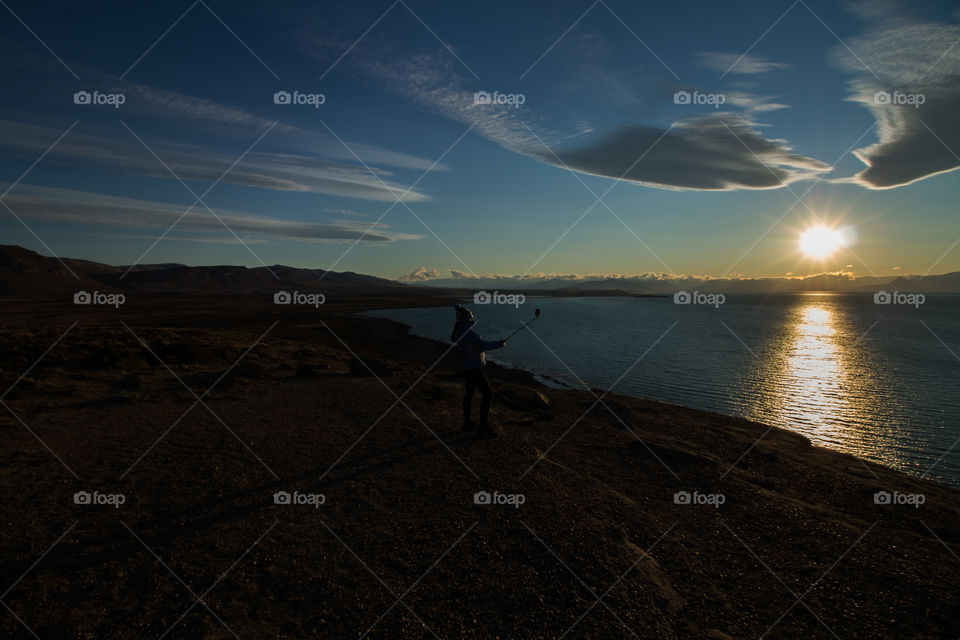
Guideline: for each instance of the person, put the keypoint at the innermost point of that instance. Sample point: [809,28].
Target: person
[473,359]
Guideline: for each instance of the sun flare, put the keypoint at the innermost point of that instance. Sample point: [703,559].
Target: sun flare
[821,241]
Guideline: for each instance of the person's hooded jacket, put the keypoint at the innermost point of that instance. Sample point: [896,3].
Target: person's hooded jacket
[471,345]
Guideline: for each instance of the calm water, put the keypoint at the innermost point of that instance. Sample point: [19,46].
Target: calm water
[871,380]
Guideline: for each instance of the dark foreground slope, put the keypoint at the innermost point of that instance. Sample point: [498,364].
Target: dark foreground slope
[598,549]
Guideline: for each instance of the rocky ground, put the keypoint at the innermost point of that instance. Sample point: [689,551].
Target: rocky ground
[201,418]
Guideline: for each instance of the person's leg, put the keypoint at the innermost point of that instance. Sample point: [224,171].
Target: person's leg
[487,392]
[470,384]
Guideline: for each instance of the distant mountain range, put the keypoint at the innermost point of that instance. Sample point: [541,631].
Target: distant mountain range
[946,283]
[23,271]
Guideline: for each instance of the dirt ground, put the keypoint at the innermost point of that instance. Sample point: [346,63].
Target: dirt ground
[301,473]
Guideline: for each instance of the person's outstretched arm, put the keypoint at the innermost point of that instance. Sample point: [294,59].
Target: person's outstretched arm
[490,345]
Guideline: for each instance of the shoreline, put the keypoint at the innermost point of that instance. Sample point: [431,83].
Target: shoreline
[532,376]
[352,308]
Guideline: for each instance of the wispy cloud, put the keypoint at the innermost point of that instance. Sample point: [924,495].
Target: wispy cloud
[914,95]
[86,208]
[118,150]
[725,152]
[346,212]
[160,103]
[186,119]
[738,63]
[435,83]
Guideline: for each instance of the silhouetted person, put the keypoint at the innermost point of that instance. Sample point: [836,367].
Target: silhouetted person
[472,358]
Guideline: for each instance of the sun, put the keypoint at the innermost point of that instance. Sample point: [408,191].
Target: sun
[821,241]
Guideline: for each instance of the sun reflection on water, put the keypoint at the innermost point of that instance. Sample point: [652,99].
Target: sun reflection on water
[814,368]
[820,382]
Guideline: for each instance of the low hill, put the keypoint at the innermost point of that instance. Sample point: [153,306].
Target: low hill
[23,271]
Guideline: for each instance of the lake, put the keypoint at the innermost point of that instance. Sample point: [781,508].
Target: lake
[878,381]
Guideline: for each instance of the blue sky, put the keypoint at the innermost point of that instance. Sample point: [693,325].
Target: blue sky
[400,172]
